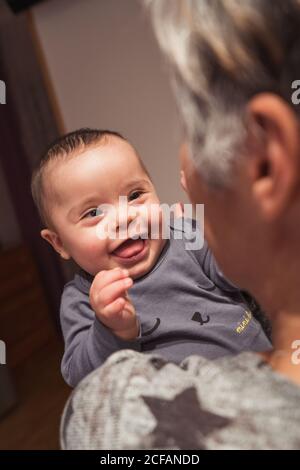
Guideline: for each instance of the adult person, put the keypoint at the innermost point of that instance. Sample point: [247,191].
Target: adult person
[234,65]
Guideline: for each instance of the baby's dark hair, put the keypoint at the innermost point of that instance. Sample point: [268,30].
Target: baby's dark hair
[62,148]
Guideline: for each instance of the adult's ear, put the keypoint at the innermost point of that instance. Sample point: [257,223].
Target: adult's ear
[183,159]
[275,154]
[54,240]
[183,181]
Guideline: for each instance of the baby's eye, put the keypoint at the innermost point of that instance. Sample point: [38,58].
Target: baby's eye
[93,213]
[134,195]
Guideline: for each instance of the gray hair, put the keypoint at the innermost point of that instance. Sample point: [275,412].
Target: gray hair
[222,53]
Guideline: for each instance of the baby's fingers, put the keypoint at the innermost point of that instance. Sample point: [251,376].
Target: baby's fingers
[111,313]
[104,278]
[116,317]
[111,292]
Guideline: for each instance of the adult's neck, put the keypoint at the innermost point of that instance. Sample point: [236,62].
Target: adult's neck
[279,294]
[285,356]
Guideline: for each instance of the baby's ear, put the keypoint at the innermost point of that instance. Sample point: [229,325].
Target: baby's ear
[54,240]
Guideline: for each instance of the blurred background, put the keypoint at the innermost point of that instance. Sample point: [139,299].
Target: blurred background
[64,64]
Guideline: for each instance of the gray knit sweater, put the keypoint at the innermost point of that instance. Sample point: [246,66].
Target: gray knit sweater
[137,401]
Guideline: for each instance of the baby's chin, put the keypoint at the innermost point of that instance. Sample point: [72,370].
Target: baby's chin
[135,270]
[140,270]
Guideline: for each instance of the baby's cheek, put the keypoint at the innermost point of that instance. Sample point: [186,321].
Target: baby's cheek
[92,254]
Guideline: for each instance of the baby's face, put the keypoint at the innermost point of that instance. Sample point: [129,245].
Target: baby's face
[98,176]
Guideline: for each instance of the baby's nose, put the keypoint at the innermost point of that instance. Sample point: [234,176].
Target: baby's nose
[124,217]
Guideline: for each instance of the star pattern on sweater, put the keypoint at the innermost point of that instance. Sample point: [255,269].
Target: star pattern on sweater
[182,422]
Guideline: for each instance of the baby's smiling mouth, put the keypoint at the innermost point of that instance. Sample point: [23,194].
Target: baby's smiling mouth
[130,248]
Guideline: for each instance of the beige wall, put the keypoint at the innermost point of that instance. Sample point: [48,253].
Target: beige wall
[107,72]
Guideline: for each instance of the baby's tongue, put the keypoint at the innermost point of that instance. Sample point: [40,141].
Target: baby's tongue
[129,248]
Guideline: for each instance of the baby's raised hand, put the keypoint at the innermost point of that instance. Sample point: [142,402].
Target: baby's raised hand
[111,304]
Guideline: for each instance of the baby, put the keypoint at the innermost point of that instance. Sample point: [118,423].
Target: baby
[180,303]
